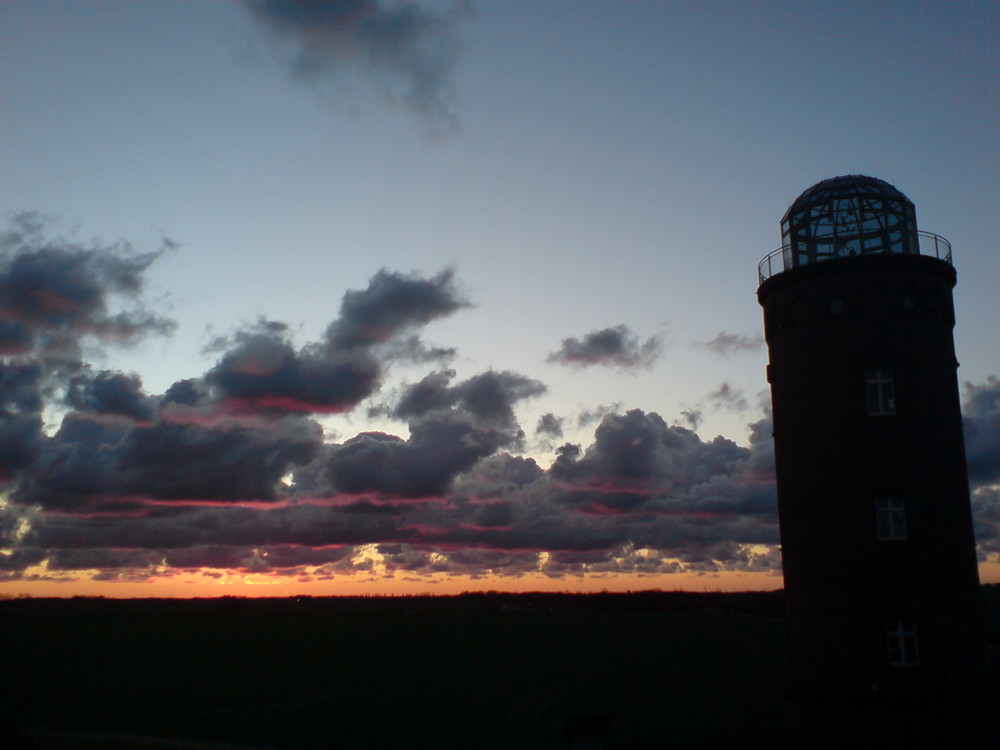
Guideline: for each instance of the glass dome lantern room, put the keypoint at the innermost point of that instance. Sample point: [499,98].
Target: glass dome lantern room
[848,216]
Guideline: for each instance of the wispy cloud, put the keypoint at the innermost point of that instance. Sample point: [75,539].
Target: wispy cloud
[609,347]
[733,343]
[405,51]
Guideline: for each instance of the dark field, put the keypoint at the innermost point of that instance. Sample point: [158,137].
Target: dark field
[644,670]
[477,671]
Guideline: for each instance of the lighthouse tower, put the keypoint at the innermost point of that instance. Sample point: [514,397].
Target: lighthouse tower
[877,544]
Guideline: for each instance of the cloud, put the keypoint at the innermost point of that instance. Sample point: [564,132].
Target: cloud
[264,371]
[733,343]
[727,397]
[56,293]
[423,466]
[981,420]
[392,304]
[232,435]
[489,397]
[404,50]
[110,393]
[92,464]
[231,469]
[614,347]
[589,416]
[637,448]
[986,518]
[693,417]
[59,298]
[644,497]
[452,427]
[549,425]
[23,390]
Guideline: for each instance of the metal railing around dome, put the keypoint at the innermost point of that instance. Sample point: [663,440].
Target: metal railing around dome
[927,243]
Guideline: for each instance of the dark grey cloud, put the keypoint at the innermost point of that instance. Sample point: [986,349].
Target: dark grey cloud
[981,419]
[986,518]
[639,450]
[23,389]
[685,502]
[93,463]
[406,50]
[56,293]
[692,417]
[110,393]
[734,343]
[21,441]
[412,349]
[615,347]
[220,343]
[724,398]
[644,497]
[550,425]
[431,393]
[392,304]
[225,462]
[452,427]
[187,392]
[15,338]
[438,449]
[499,476]
[265,371]
[728,398]
[88,559]
[489,397]
[58,297]
[589,416]
[22,396]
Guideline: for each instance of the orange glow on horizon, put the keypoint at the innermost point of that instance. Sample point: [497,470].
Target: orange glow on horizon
[216,583]
[202,584]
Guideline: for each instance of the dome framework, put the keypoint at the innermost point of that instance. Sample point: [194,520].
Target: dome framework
[850,216]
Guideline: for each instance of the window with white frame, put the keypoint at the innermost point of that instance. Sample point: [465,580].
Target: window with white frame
[890,514]
[902,639]
[881,396]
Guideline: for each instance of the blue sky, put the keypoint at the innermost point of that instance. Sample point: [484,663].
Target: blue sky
[578,166]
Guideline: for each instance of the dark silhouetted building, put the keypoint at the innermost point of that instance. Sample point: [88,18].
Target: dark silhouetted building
[879,557]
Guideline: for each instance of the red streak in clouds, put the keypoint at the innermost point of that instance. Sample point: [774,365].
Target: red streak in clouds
[251,406]
[608,487]
[14,350]
[484,529]
[137,513]
[245,412]
[426,530]
[148,504]
[209,418]
[184,503]
[597,509]
[391,501]
[54,303]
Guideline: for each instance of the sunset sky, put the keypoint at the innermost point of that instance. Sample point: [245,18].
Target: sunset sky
[380,297]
